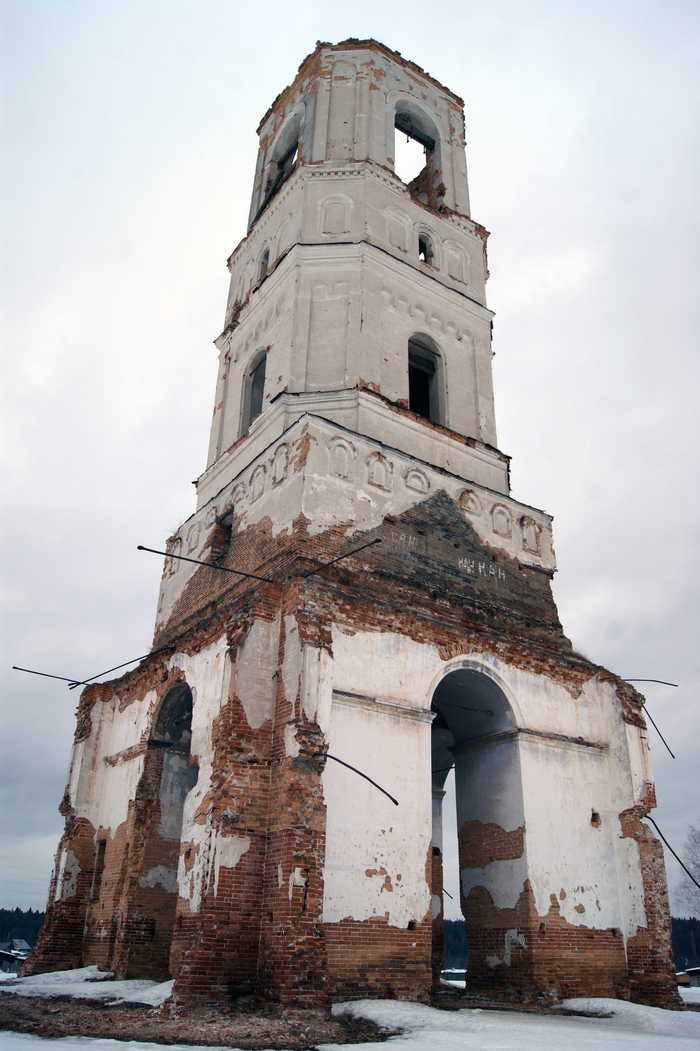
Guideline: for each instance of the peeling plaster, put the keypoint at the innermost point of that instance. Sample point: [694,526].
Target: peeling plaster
[255,666]
[296,880]
[292,664]
[513,939]
[229,851]
[160,874]
[68,872]
[291,745]
[502,879]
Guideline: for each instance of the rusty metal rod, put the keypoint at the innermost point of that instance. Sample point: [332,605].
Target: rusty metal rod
[658,732]
[116,667]
[87,682]
[687,871]
[332,562]
[48,675]
[198,562]
[325,755]
[653,680]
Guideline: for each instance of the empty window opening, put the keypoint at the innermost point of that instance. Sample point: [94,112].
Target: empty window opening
[264,264]
[280,170]
[253,392]
[425,249]
[423,381]
[98,869]
[415,160]
[409,158]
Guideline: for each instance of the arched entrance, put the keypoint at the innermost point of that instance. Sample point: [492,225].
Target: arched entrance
[474,731]
[146,913]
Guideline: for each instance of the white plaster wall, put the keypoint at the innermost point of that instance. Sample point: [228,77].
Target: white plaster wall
[376,852]
[384,665]
[98,790]
[568,856]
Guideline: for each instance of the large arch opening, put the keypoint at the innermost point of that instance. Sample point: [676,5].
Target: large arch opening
[473,736]
[150,928]
[417,159]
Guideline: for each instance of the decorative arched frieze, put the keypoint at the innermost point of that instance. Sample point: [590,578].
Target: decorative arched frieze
[335,214]
[280,464]
[531,531]
[192,541]
[455,261]
[417,481]
[237,498]
[398,228]
[501,520]
[172,564]
[470,503]
[257,482]
[379,471]
[341,458]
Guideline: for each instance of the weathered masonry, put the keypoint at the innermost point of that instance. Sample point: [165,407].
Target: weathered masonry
[208,836]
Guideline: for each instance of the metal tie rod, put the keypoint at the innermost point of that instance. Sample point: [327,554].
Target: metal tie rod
[198,562]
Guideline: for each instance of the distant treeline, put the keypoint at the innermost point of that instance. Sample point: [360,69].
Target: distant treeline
[686,942]
[20,923]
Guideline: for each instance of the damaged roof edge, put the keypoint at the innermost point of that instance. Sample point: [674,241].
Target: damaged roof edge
[353,44]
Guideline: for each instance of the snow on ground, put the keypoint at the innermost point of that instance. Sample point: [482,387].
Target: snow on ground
[608,1025]
[630,1026]
[89,983]
[691,996]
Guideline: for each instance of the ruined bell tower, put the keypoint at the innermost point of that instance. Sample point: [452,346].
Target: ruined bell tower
[357,606]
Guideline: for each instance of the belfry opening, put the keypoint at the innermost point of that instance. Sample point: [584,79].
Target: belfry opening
[356,606]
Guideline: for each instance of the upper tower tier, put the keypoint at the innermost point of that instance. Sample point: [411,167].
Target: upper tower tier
[355,296]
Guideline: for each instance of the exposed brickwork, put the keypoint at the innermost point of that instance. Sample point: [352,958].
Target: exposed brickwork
[253,932]
[438,924]
[649,952]
[481,844]
[517,954]
[368,958]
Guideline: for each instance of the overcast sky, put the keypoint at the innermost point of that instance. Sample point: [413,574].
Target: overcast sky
[128,149]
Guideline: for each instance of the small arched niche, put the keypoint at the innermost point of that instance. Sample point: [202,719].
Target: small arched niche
[253,389]
[426,380]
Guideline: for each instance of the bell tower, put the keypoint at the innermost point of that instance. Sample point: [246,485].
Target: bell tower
[355,297]
[356,607]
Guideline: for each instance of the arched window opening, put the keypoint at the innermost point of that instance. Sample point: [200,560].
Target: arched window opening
[264,264]
[424,381]
[253,391]
[416,155]
[425,249]
[282,164]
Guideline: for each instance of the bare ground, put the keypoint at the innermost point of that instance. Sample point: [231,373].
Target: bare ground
[257,1029]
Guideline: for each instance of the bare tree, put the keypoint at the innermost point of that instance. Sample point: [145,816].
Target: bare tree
[688,893]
